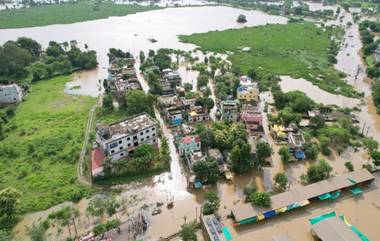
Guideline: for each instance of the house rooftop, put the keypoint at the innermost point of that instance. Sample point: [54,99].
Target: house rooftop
[127,126]
[189,139]
[334,229]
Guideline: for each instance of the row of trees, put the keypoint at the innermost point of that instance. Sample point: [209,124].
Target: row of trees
[25,55]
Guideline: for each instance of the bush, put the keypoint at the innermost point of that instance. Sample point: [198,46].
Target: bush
[311,151]
[284,153]
[318,172]
[212,203]
[349,166]
[281,180]
[261,199]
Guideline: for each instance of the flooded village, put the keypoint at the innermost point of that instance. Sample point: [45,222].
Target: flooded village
[181,144]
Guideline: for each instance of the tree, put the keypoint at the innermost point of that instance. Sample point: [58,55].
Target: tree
[14,60]
[138,101]
[142,57]
[36,232]
[318,172]
[281,180]
[162,59]
[211,204]
[101,204]
[241,19]
[30,45]
[108,102]
[263,151]
[241,158]
[206,102]
[206,135]
[370,144]
[9,197]
[261,199]
[284,153]
[349,166]
[65,216]
[188,232]
[311,150]
[207,171]
[164,151]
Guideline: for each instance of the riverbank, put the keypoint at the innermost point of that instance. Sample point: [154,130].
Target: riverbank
[280,50]
[66,13]
[42,144]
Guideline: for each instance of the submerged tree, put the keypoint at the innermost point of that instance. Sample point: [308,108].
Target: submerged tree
[241,18]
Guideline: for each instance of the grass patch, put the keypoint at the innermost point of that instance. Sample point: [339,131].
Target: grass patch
[296,49]
[40,151]
[128,177]
[65,13]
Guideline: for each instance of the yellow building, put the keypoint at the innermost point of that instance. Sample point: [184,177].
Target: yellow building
[248,93]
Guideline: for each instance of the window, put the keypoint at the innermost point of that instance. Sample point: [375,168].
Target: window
[146,131]
[154,134]
[122,154]
[147,137]
[121,148]
[120,142]
[112,151]
[142,139]
[154,140]
[153,129]
[141,133]
[128,138]
[129,144]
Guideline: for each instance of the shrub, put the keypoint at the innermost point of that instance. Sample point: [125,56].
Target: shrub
[261,199]
[349,166]
[318,172]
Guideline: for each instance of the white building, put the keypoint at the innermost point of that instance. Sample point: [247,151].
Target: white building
[10,94]
[120,139]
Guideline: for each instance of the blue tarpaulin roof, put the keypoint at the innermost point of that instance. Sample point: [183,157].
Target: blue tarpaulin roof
[197,184]
[299,154]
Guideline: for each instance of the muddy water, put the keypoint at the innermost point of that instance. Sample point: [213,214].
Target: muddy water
[131,33]
[314,92]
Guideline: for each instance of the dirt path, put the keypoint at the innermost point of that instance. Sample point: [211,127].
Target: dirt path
[80,172]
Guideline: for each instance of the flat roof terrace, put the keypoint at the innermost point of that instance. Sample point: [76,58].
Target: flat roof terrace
[246,213]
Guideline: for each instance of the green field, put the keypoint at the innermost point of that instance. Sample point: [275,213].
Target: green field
[42,142]
[297,49]
[65,13]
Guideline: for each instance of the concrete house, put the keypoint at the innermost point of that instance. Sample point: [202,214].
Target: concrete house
[253,122]
[120,139]
[174,115]
[198,114]
[10,94]
[189,144]
[248,93]
[229,110]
